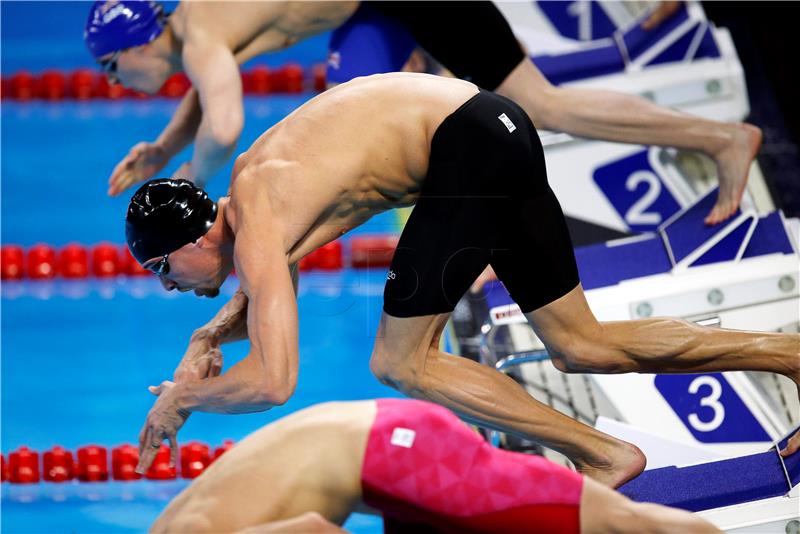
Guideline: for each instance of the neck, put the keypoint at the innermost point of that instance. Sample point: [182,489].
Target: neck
[169,47]
[221,233]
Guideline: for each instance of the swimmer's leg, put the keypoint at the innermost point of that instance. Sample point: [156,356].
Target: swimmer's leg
[577,342]
[407,357]
[631,119]
[604,510]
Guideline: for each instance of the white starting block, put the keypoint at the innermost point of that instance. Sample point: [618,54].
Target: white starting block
[740,274]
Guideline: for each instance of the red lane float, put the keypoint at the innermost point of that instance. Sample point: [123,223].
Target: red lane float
[288,79]
[73,261]
[3,469]
[105,260]
[124,460]
[103,89]
[257,81]
[58,465]
[129,265]
[222,449]
[23,466]
[52,85]
[12,262]
[160,468]
[41,263]
[328,258]
[92,464]
[372,250]
[23,86]
[319,75]
[195,457]
[83,84]
[176,86]
[87,84]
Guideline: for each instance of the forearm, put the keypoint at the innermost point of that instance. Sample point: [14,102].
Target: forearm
[181,130]
[211,151]
[243,389]
[228,325]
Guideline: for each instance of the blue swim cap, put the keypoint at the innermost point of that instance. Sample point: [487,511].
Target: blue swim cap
[119,24]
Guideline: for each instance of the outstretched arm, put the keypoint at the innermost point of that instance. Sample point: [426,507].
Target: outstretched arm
[214,72]
[145,159]
[182,128]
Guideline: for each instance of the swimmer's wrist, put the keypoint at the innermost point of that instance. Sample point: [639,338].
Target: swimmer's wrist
[208,336]
[183,397]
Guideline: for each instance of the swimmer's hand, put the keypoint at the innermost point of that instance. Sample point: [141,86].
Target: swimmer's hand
[202,360]
[163,422]
[143,162]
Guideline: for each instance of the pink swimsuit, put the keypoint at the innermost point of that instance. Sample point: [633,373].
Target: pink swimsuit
[423,468]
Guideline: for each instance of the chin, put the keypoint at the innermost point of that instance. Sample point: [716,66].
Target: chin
[147,86]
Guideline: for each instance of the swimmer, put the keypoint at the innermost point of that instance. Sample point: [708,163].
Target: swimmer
[413,462]
[472,163]
[138,45]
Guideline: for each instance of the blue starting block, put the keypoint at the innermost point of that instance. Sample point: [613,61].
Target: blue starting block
[721,483]
[682,242]
[684,37]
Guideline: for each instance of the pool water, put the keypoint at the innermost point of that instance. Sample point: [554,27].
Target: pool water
[77,356]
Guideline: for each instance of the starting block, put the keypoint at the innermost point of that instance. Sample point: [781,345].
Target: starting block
[753,493]
[740,274]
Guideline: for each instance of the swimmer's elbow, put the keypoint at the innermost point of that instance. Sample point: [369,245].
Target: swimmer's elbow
[227,135]
[272,393]
[225,130]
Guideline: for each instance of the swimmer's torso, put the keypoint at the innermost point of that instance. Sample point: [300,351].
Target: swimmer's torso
[286,468]
[354,151]
[253,28]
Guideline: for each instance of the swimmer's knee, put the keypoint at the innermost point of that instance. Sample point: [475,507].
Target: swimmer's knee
[582,354]
[396,371]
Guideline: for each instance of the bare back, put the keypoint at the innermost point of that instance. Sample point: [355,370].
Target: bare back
[253,28]
[354,151]
[280,472]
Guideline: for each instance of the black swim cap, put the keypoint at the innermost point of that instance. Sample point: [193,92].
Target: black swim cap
[165,215]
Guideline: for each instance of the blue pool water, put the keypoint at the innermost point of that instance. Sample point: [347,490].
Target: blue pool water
[77,357]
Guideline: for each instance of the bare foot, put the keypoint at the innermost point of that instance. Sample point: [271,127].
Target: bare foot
[622,464]
[733,166]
